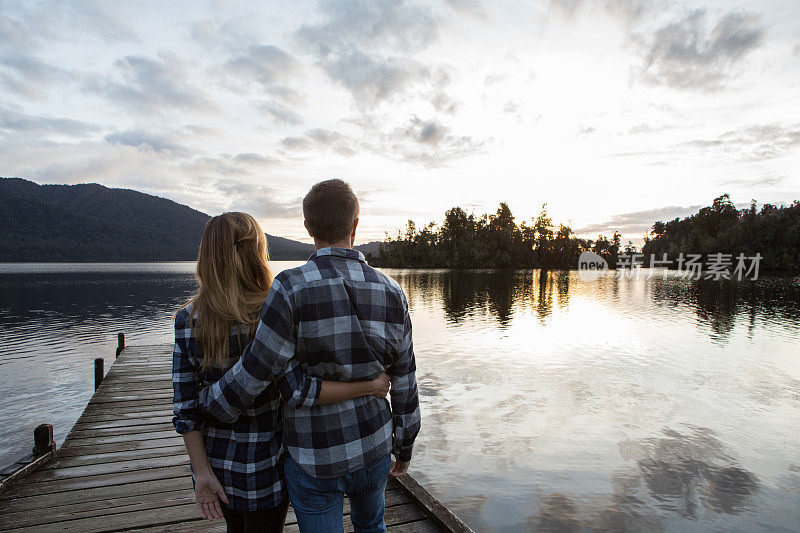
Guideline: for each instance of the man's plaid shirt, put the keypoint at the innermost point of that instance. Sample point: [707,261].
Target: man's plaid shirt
[340,319]
[244,454]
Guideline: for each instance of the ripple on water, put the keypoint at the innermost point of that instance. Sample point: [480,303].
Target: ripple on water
[548,403]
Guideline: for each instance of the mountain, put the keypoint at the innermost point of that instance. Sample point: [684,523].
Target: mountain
[90,222]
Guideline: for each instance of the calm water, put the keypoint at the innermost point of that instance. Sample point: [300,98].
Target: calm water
[548,403]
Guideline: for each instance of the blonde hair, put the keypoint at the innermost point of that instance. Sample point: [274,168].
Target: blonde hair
[233,275]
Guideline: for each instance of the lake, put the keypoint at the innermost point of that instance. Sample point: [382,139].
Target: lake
[549,403]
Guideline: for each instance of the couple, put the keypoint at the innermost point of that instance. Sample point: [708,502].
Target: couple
[319,346]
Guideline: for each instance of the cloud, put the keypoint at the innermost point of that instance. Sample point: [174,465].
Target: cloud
[149,86]
[473,8]
[147,141]
[86,18]
[257,160]
[426,131]
[370,25]
[754,143]
[513,108]
[15,34]
[224,35]
[644,128]
[29,76]
[322,138]
[20,123]
[357,46]
[426,142]
[431,143]
[765,181]
[266,65]
[225,165]
[35,23]
[280,113]
[686,55]
[373,80]
[261,201]
[26,30]
[627,11]
[444,103]
[638,222]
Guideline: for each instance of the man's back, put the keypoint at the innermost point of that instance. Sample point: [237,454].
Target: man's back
[351,323]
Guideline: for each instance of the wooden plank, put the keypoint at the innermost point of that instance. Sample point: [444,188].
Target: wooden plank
[162,425]
[110,457]
[155,398]
[94,497]
[70,449]
[65,513]
[119,415]
[421,526]
[102,480]
[116,522]
[438,511]
[23,470]
[109,439]
[117,467]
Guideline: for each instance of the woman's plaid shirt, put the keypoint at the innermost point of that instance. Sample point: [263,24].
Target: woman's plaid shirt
[245,454]
[341,320]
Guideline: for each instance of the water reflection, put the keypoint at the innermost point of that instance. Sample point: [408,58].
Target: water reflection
[496,293]
[681,470]
[680,473]
[549,404]
[500,294]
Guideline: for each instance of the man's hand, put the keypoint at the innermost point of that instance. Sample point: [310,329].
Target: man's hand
[399,468]
[208,492]
[380,386]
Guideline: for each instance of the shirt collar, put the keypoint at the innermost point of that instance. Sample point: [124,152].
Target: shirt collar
[348,253]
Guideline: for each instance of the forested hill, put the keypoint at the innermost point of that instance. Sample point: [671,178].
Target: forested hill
[90,222]
[489,241]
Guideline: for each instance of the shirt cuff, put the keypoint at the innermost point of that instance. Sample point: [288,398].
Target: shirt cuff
[314,390]
[403,453]
[183,425]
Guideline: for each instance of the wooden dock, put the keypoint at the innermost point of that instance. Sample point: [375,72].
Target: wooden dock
[123,467]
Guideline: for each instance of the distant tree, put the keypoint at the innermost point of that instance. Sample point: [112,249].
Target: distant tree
[773,232]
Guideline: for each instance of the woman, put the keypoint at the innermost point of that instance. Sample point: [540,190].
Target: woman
[237,463]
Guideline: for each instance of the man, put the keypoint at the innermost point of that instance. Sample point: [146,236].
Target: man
[341,320]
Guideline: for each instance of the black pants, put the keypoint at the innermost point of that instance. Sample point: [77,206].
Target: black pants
[264,521]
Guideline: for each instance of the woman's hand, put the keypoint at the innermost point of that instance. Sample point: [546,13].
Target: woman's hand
[380,386]
[208,492]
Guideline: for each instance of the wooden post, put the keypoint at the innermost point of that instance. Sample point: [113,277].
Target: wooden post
[43,440]
[120,343]
[44,451]
[98,372]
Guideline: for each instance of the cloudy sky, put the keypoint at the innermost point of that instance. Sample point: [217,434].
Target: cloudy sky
[613,112]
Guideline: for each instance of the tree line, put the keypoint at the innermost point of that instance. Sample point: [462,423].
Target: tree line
[772,231]
[491,241]
[465,240]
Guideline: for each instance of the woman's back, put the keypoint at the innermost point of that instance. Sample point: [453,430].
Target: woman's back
[244,455]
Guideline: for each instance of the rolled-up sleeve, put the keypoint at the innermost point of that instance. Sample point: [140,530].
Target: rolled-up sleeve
[185,379]
[404,394]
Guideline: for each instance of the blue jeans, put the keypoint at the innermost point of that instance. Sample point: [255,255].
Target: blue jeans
[318,503]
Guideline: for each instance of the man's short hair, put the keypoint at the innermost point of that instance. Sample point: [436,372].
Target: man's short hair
[330,209]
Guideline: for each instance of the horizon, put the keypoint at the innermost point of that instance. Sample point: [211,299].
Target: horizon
[361,241]
[649,110]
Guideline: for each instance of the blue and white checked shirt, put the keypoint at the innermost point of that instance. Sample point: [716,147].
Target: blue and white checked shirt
[245,454]
[339,319]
